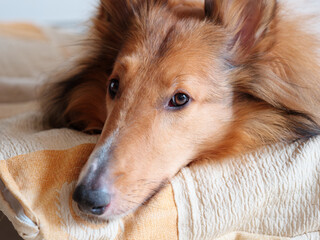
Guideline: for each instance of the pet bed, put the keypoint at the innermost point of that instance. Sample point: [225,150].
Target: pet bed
[273,193]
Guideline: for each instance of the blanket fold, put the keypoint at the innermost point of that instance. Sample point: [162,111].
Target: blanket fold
[274,191]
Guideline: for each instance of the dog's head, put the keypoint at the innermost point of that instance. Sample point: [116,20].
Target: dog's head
[169,93]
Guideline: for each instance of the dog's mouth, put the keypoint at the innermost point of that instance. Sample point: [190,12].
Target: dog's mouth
[106,205]
[155,191]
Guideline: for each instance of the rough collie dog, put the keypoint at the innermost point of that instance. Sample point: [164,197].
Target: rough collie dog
[168,82]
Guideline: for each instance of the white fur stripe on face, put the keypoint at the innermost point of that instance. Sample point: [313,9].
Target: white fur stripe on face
[24,134]
[98,159]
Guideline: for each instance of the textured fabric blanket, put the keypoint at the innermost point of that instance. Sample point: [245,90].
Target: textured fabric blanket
[273,193]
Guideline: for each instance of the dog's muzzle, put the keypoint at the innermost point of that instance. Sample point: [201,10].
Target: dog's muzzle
[91,201]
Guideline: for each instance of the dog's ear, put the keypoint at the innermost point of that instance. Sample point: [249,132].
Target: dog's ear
[113,19]
[110,27]
[76,98]
[246,20]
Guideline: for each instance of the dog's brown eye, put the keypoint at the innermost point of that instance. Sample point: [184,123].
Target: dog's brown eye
[113,87]
[179,100]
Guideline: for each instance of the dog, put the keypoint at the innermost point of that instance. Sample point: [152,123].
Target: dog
[169,82]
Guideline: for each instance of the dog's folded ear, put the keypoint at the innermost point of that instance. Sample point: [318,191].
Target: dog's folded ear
[110,28]
[113,19]
[76,98]
[247,21]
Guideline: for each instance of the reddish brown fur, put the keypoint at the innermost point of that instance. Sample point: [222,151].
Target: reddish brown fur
[252,78]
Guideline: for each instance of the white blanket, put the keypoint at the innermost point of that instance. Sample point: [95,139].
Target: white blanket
[275,191]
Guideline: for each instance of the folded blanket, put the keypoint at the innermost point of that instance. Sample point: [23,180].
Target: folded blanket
[270,194]
[275,191]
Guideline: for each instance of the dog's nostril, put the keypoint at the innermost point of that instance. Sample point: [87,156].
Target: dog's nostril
[94,210]
[91,201]
[98,210]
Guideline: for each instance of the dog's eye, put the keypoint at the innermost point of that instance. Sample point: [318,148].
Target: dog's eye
[113,87]
[179,100]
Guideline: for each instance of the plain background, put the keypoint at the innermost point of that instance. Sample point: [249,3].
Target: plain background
[44,12]
[57,13]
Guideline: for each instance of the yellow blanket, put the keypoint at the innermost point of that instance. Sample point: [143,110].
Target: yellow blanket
[271,194]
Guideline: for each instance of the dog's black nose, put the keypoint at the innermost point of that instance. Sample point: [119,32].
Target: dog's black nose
[91,201]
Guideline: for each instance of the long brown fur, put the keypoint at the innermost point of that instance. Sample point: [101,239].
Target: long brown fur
[262,84]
